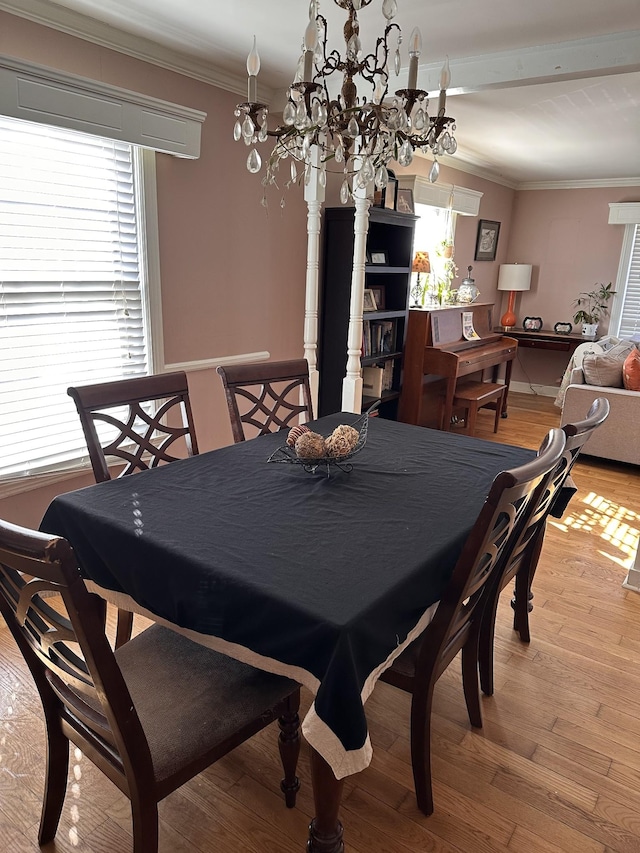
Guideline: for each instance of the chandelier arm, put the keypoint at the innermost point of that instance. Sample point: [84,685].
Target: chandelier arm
[373,64]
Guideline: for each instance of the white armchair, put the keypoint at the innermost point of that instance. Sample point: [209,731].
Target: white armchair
[619,436]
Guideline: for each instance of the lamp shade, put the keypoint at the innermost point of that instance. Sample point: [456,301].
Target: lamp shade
[514,277]
[421,262]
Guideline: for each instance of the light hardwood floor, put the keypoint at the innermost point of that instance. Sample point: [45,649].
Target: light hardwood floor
[555,768]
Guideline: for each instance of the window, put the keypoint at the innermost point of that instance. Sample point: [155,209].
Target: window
[627,309]
[435,230]
[73,302]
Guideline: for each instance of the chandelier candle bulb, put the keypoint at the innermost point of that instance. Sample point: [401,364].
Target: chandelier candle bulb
[415,49]
[445,80]
[253,67]
[310,43]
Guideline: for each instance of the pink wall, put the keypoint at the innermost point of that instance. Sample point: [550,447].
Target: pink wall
[233,275]
[566,236]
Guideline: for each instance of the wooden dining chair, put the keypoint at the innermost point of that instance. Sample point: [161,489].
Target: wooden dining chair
[140,436]
[142,423]
[150,715]
[456,623]
[267,396]
[522,561]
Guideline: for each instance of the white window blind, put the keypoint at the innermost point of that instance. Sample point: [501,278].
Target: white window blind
[72,307]
[630,315]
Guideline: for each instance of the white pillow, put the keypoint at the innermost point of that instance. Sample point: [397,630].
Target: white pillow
[585,349]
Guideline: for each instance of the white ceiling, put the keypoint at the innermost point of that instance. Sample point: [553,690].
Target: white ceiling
[543,92]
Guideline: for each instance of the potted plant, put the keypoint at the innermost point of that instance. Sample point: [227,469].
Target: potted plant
[591,306]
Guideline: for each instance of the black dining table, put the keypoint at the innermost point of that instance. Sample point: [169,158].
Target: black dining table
[324,577]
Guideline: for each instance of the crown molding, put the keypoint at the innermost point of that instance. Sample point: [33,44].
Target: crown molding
[472,166]
[81,26]
[579,185]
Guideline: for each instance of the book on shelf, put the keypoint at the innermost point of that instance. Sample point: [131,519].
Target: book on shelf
[378,336]
[387,376]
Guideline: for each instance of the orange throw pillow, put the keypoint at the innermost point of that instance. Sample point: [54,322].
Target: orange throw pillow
[631,371]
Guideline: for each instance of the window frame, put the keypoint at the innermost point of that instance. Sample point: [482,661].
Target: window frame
[143,161]
[630,252]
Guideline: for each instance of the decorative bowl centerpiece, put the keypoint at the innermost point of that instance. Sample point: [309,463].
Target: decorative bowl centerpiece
[313,451]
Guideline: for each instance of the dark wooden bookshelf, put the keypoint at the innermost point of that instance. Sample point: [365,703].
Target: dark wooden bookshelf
[389,232]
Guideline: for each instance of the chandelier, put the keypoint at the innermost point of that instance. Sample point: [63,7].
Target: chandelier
[361,134]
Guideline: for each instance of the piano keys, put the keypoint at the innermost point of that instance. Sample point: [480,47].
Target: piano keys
[437,355]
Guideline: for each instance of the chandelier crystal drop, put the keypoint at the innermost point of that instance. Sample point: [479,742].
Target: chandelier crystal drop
[360,133]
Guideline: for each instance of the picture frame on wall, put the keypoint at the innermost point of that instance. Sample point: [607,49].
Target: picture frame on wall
[487,240]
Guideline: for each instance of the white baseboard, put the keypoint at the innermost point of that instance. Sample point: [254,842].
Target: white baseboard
[526,388]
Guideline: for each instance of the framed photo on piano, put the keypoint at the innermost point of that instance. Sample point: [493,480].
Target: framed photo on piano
[487,240]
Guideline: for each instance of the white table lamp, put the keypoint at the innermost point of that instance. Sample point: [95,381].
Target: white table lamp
[514,278]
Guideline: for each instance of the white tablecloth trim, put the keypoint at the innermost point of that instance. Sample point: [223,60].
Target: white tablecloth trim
[316,731]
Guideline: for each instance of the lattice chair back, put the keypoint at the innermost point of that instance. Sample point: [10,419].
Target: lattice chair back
[143,422]
[523,559]
[151,715]
[266,397]
[506,511]
[59,627]
[456,624]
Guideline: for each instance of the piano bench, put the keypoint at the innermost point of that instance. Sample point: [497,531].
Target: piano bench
[475,395]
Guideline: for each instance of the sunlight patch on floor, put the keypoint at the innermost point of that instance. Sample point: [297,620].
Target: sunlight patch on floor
[615,524]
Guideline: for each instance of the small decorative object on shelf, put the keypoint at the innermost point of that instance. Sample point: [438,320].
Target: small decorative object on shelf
[378,295]
[563,328]
[532,324]
[312,451]
[421,264]
[369,301]
[404,201]
[379,257]
[468,292]
[390,192]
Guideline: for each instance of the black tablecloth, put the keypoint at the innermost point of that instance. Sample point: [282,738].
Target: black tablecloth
[325,574]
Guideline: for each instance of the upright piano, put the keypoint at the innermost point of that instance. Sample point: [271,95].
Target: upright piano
[438,354]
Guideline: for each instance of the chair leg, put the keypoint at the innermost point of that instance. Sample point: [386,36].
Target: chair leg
[524,579]
[124,627]
[421,749]
[144,813]
[470,677]
[486,644]
[55,783]
[289,745]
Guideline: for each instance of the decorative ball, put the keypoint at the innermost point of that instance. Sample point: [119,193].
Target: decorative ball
[310,445]
[342,440]
[295,433]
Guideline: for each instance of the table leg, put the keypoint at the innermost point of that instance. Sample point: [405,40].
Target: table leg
[325,830]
